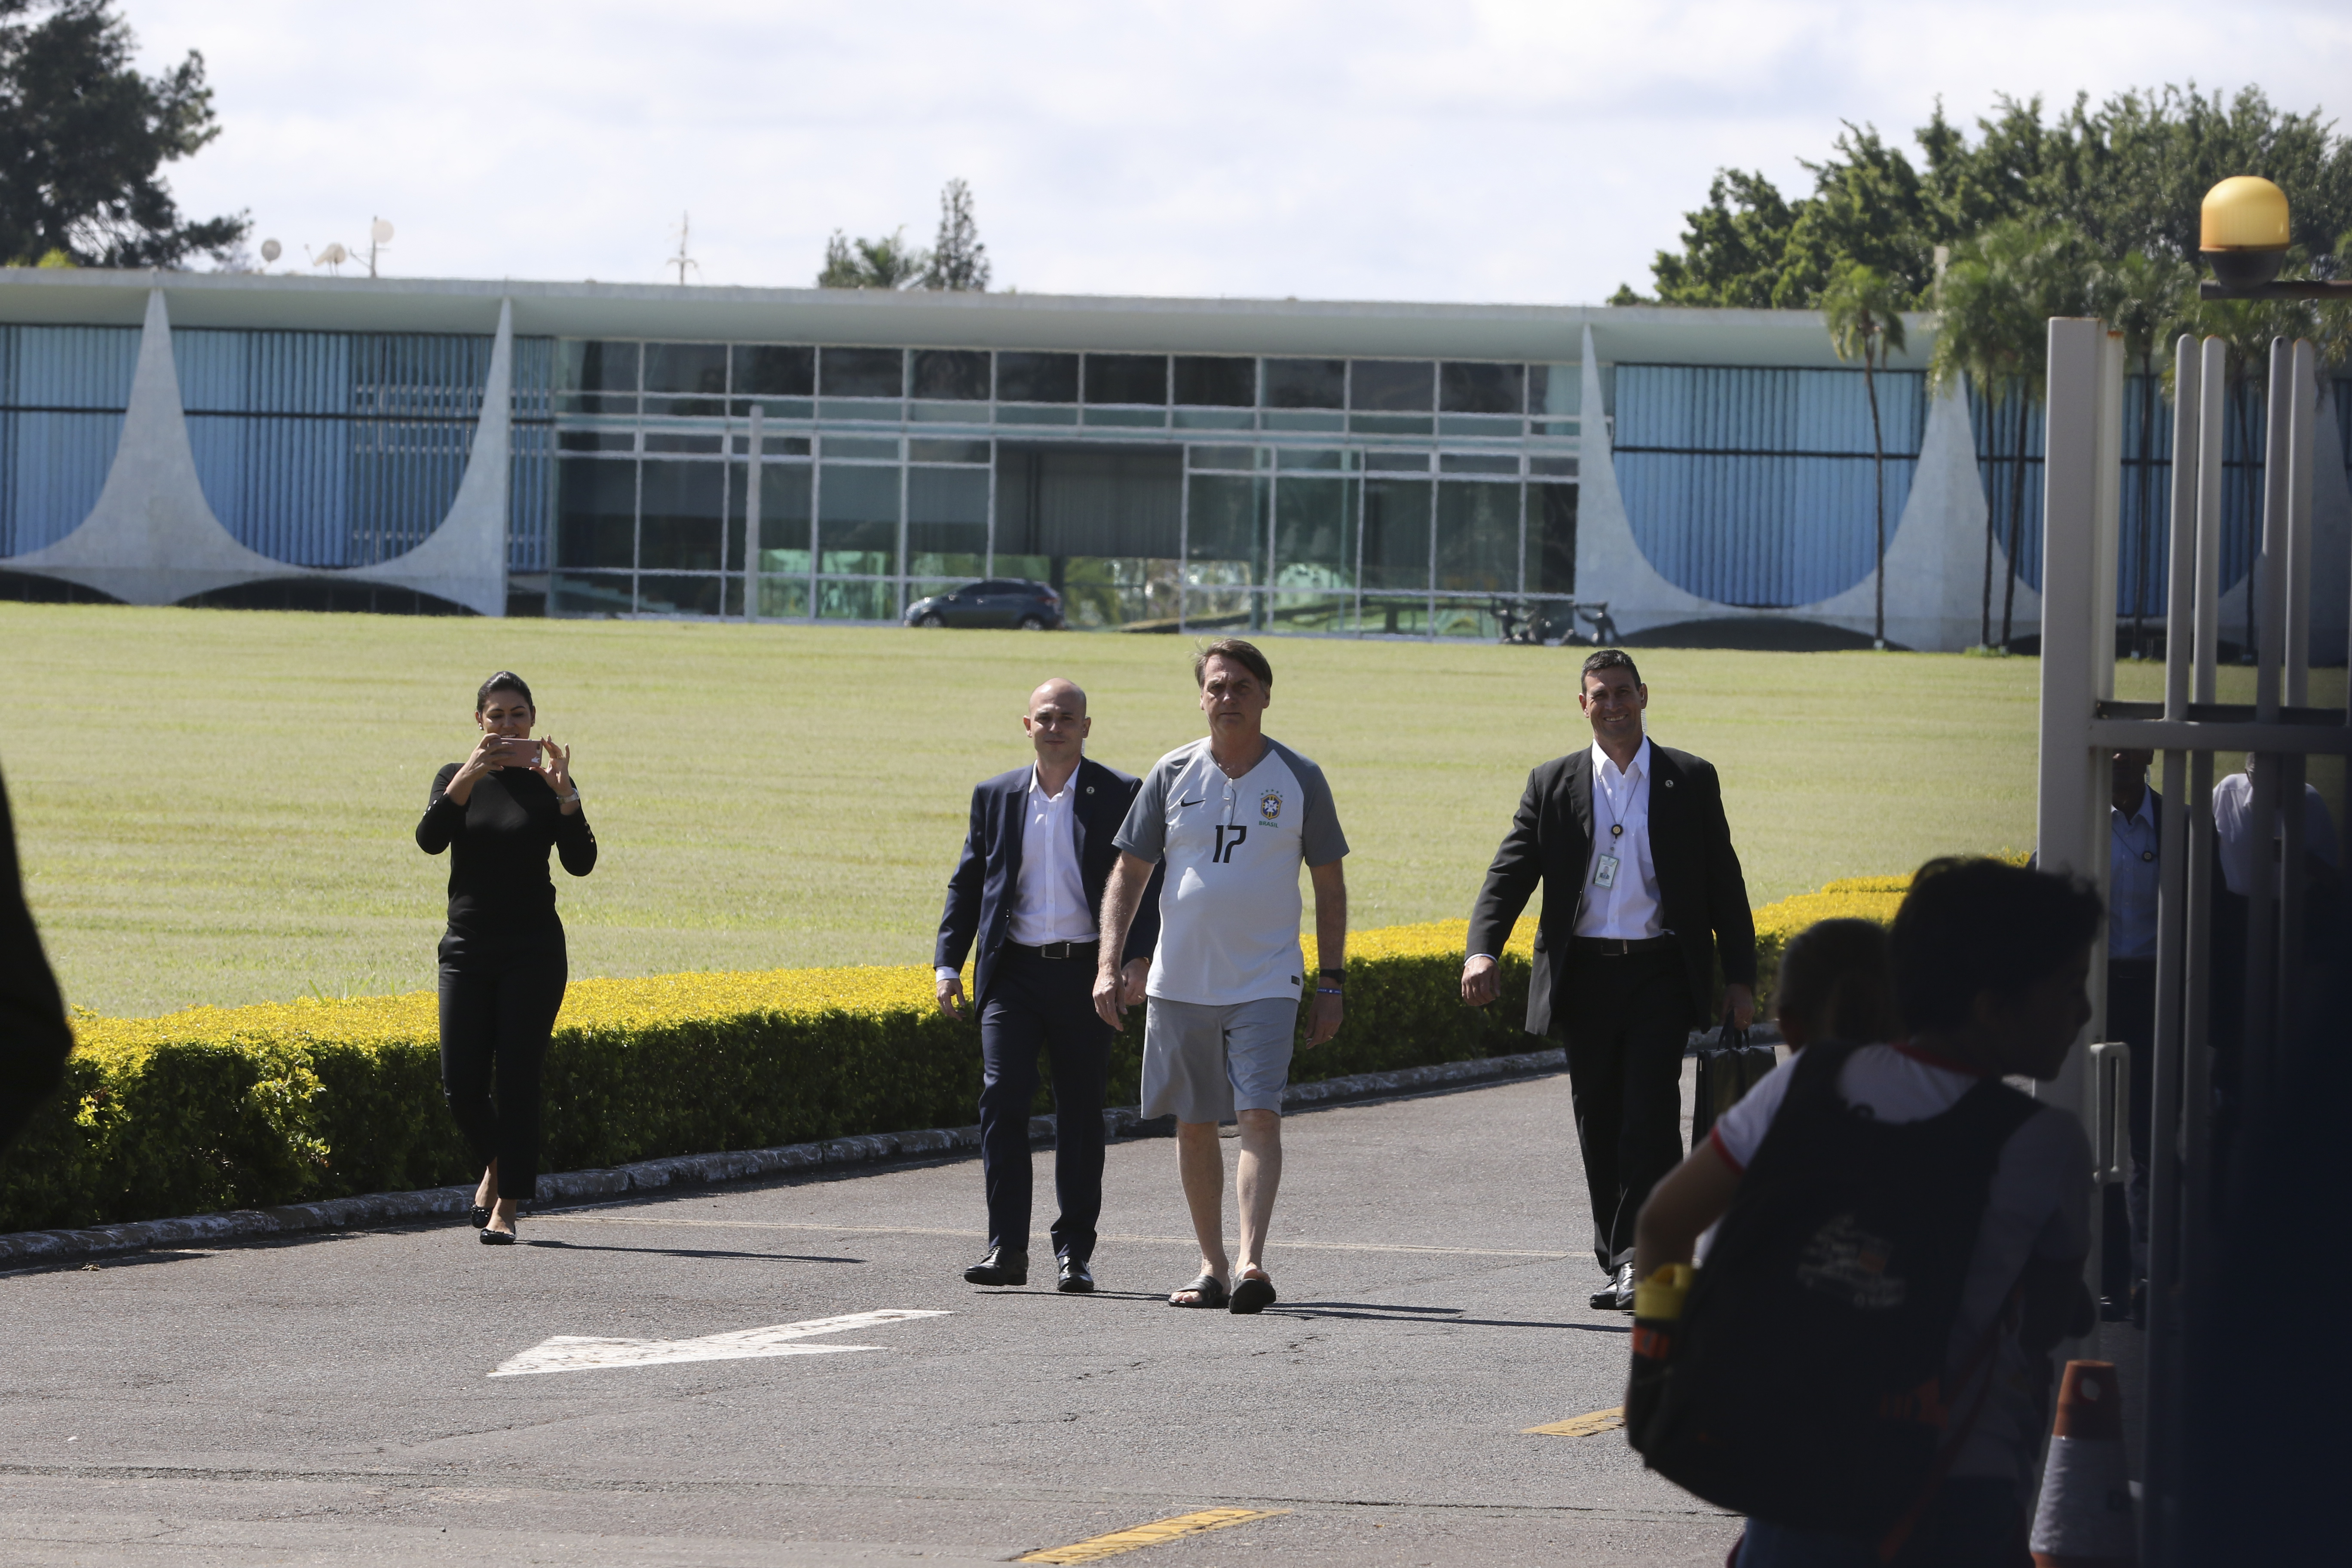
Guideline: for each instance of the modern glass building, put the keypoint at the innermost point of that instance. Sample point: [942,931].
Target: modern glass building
[1334,469]
[1325,494]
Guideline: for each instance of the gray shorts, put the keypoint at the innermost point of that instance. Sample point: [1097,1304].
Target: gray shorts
[1204,1063]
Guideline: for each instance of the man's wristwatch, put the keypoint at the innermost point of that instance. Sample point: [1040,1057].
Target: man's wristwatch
[1330,979]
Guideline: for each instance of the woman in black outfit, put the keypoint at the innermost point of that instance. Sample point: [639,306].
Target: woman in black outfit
[502,961]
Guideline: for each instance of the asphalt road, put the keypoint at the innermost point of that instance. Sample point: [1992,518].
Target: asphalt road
[333,1399]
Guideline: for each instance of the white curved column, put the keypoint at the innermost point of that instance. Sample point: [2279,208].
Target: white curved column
[1610,565]
[464,560]
[1934,561]
[152,537]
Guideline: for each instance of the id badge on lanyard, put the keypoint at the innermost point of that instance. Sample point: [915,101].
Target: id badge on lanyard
[1604,871]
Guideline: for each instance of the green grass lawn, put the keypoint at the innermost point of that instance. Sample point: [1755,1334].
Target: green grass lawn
[216,805]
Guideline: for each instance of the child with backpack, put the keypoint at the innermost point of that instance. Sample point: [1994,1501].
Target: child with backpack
[1861,1365]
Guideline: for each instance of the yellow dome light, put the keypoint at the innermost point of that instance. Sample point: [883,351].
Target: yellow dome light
[2244,231]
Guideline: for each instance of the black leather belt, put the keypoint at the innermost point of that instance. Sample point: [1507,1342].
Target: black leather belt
[1058,950]
[1620,947]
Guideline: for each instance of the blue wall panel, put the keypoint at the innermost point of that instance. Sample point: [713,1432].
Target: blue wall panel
[62,392]
[1754,485]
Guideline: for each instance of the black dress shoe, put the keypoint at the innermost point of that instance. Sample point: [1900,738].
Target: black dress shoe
[1076,1276]
[1002,1266]
[1617,1294]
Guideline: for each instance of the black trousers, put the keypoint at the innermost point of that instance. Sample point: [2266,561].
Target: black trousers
[496,1018]
[1626,1022]
[1043,1003]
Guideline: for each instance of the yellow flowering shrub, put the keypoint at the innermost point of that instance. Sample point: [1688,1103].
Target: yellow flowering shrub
[224,1107]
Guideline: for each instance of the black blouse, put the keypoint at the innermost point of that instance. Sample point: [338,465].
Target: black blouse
[501,897]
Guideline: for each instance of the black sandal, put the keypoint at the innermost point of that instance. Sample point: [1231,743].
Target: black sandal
[1206,1290]
[1253,1295]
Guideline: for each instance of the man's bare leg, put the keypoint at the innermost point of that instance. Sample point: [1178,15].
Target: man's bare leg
[1201,1162]
[1257,1177]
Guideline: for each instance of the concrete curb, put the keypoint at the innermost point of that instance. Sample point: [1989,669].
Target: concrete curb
[744,1164]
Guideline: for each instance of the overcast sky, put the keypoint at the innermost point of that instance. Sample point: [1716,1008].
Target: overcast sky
[1511,152]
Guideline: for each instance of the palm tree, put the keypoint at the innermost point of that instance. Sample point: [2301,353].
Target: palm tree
[2142,297]
[1864,311]
[1977,341]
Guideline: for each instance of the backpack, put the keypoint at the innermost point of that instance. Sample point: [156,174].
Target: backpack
[1804,1382]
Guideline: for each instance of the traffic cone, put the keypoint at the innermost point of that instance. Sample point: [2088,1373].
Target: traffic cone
[2084,1520]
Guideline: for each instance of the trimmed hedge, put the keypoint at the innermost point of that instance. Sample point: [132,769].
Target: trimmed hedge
[235,1108]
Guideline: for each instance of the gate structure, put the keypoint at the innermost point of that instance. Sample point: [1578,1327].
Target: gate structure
[2081,723]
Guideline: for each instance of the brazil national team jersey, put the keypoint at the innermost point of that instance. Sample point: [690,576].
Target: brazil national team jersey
[1230,904]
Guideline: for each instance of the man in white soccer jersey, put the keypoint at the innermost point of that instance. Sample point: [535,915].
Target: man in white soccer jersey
[1234,816]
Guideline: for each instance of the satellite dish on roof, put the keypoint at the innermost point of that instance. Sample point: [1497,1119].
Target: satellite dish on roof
[380,232]
[271,250]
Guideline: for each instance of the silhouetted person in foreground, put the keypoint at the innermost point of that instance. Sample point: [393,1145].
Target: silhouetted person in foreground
[34,1038]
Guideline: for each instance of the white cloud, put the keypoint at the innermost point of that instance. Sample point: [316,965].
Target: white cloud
[1493,150]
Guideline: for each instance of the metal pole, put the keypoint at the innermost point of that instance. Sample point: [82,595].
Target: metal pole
[2213,393]
[2270,561]
[2160,1409]
[2303,414]
[753,487]
[2069,831]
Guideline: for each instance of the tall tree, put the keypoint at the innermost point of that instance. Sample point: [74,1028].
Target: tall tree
[1865,322]
[2128,175]
[959,260]
[82,135]
[885,263]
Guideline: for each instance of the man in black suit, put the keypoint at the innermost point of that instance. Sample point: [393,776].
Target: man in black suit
[1027,889]
[1643,895]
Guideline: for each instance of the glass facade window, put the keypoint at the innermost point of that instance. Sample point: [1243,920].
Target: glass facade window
[1315,534]
[596,514]
[773,370]
[1396,534]
[1551,539]
[947,521]
[951,376]
[1036,378]
[1306,384]
[1391,386]
[1477,463]
[857,519]
[680,507]
[948,452]
[784,518]
[596,377]
[687,367]
[1476,387]
[1216,382]
[1244,459]
[1479,538]
[1126,378]
[862,373]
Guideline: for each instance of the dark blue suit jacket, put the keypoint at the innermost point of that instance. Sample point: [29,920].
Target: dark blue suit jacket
[979,894]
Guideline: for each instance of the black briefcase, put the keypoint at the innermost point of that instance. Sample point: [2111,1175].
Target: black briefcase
[1727,1070]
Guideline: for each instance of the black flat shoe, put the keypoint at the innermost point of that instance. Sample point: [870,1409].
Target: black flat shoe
[497,1238]
[1002,1266]
[480,1217]
[1076,1278]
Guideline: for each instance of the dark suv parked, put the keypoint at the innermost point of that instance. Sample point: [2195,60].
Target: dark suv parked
[998,602]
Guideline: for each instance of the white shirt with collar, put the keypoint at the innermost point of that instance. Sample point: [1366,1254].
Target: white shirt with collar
[1049,894]
[1621,798]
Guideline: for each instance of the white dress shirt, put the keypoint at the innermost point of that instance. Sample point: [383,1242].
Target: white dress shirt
[1049,895]
[2233,811]
[1621,798]
[2134,873]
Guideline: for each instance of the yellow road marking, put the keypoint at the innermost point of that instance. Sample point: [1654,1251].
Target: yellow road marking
[1583,1426]
[572,1218]
[1152,1534]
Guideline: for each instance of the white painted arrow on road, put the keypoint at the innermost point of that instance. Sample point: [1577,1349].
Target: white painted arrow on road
[571,1352]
